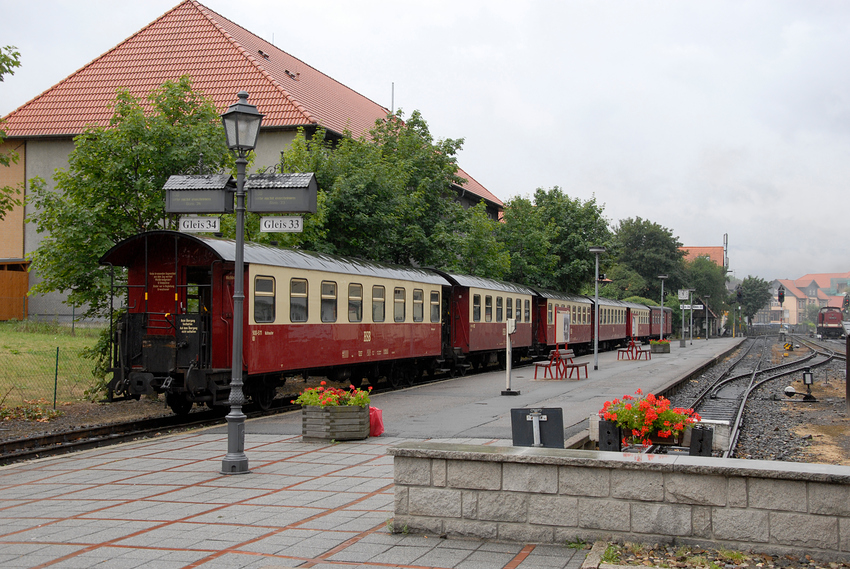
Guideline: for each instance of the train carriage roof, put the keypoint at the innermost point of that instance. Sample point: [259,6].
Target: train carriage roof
[128,251]
[635,305]
[489,284]
[555,295]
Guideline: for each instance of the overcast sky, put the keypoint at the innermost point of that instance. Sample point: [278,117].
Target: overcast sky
[708,118]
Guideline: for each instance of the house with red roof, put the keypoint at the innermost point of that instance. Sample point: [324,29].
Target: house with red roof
[222,58]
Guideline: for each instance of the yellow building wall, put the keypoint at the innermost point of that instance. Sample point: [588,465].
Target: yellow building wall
[12,225]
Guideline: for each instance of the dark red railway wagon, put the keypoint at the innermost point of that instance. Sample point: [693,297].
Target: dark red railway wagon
[637,321]
[479,310]
[343,318]
[548,304]
[612,323]
[655,322]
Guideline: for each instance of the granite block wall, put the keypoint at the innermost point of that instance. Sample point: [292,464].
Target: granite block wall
[556,496]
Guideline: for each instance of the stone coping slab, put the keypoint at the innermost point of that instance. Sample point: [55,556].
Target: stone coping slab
[627,461]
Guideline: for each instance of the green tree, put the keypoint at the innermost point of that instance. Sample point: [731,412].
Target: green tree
[479,252]
[112,188]
[385,197]
[575,226]
[624,283]
[649,250]
[709,281]
[527,236]
[10,58]
[755,294]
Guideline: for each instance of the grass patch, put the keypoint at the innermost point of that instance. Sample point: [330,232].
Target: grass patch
[40,361]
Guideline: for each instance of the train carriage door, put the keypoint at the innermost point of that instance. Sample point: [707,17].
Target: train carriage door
[193,324]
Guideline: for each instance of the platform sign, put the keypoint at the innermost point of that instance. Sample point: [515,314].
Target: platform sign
[199,194]
[691,307]
[282,193]
[191,224]
[562,325]
[683,294]
[282,224]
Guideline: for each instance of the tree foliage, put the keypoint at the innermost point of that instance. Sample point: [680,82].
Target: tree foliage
[709,281]
[649,250]
[527,235]
[755,294]
[385,197]
[112,188]
[10,58]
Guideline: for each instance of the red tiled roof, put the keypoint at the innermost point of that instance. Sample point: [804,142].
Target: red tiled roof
[713,253]
[823,280]
[473,186]
[222,58]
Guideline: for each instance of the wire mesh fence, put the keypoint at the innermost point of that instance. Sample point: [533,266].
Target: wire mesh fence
[57,376]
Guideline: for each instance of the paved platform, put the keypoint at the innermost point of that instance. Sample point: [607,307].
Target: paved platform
[162,503]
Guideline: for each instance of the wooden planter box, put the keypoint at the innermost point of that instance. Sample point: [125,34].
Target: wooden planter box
[324,424]
[659,348]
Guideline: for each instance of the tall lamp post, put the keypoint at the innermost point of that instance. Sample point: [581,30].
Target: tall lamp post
[596,251]
[242,126]
[707,327]
[661,328]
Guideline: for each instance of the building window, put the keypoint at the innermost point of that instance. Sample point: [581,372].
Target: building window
[298,300]
[264,299]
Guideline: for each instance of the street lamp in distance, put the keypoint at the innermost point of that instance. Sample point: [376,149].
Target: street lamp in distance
[596,250]
[242,127]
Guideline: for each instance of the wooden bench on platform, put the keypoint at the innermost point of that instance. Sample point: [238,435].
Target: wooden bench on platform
[555,366]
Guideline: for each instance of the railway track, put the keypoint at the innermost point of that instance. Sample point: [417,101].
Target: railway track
[102,435]
[725,398]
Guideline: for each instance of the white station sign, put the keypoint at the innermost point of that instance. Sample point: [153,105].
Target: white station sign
[282,224]
[200,224]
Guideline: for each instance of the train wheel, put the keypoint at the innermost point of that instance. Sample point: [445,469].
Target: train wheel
[396,378]
[356,381]
[410,376]
[263,396]
[179,403]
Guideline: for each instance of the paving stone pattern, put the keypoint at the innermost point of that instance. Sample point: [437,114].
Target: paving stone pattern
[162,504]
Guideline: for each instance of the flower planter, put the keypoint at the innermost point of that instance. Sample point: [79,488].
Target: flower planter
[334,423]
[659,348]
[671,440]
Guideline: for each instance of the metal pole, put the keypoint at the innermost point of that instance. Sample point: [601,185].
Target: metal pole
[236,462]
[596,319]
[661,337]
[691,324]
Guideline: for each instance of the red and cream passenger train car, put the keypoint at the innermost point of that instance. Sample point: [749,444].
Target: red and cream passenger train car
[343,318]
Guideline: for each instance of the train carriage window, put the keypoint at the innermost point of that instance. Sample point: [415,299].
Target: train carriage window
[519,310]
[476,308]
[551,318]
[328,301]
[527,311]
[264,299]
[398,304]
[509,308]
[488,308]
[574,312]
[435,306]
[355,302]
[418,305]
[500,310]
[378,303]
[298,300]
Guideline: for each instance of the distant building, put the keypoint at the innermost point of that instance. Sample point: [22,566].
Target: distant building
[818,289]
[222,58]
